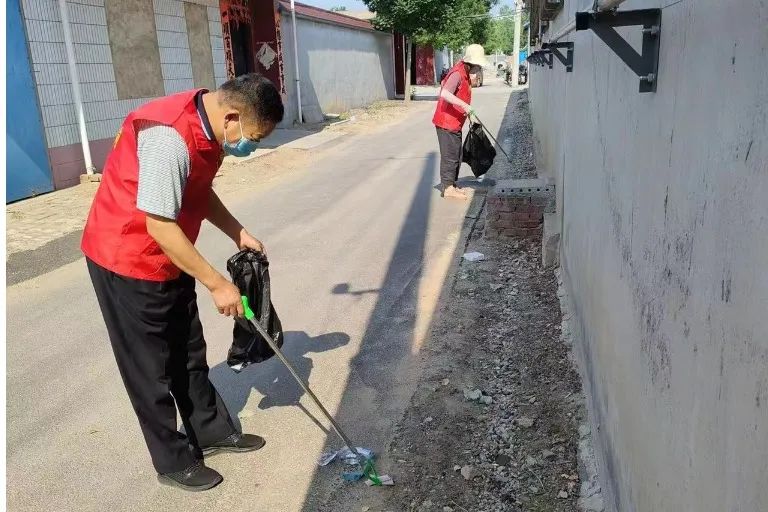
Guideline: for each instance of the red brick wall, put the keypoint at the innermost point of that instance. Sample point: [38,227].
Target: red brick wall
[515,208]
[513,217]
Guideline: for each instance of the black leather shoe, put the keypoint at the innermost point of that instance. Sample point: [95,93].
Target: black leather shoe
[236,442]
[198,477]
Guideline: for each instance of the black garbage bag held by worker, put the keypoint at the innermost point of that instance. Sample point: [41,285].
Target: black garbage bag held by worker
[478,150]
[249,271]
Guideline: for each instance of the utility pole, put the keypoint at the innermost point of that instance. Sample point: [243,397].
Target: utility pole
[516,43]
[299,113]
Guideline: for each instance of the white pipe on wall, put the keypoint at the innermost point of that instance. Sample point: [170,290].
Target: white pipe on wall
[570,27]
[71,60]
[600,5]
[300,116]
[605,5]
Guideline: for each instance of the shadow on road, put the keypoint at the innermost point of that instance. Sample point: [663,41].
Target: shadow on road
[385,368]
[271,379]
[378,383]
[346,289]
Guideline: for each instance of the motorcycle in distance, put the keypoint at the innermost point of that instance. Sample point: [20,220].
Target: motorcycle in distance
[522,74]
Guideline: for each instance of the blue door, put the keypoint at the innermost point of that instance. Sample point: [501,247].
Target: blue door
[28,171]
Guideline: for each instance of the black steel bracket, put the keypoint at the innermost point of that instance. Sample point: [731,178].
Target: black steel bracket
[541,58]
[567,59]
[645,64]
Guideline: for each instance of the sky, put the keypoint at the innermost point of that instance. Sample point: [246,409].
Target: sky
[352,5]
[358,5]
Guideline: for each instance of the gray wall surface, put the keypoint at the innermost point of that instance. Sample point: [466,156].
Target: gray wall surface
[134,46]
[664,200]
[198,33]
[340,68]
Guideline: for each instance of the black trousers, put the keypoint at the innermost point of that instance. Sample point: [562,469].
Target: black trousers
[158,343]
[450,157]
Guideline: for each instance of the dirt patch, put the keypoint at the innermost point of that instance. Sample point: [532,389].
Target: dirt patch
[267,170]
[498,337]
[380,115]
[263,172]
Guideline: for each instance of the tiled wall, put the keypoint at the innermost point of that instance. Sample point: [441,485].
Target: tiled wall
[103,110]
[217,46]
[175,58]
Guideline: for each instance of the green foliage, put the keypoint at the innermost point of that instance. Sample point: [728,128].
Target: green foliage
[451,23]
[468,22]
[501,31]
[417,19]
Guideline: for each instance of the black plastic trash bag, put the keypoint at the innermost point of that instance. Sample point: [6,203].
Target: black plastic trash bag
[249,272]
[478,150]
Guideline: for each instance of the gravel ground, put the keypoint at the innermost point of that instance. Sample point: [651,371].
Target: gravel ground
[494,424]
[513,447]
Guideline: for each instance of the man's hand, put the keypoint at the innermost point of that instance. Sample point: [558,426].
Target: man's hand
[248,241]
[226,296]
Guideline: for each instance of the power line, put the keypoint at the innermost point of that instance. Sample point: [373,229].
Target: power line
[497,16]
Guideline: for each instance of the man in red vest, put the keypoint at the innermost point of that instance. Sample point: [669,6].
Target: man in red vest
[452,110]
[139,247]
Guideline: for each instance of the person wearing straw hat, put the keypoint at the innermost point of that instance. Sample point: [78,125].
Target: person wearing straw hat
[453,108]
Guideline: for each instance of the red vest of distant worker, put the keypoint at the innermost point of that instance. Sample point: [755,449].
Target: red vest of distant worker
[115,235]
[448,116]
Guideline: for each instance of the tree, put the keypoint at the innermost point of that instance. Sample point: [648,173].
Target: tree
[468,23]
[451,23]
[420,21]
[501,31]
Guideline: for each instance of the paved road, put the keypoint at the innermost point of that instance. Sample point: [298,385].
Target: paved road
[360,244]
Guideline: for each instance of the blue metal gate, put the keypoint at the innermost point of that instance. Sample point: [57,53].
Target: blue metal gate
[28,171]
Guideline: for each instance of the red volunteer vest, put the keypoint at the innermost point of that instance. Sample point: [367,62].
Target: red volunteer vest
[448,116]
[115,235]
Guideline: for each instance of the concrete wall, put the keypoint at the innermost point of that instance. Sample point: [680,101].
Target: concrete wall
[341,68]
[442,59]
[104,107]
[665,243]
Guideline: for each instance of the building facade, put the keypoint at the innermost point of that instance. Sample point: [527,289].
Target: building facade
[664,239]
[127,53]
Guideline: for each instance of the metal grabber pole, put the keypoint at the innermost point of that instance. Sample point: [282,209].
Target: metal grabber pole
[491,136]
[251,317]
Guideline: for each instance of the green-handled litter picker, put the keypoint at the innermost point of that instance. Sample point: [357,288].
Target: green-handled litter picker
[366,463]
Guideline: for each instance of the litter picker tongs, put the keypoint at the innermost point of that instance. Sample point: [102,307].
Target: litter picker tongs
[491,136]
[366,463]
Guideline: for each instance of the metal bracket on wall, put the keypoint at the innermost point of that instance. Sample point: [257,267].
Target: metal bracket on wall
[541,58]
[567,59]
[645,64]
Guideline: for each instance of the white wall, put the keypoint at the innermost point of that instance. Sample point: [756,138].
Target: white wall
[341,68]
[665,244]
[104,112]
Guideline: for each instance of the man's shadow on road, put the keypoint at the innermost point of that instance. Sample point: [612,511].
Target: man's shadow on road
[272,379]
